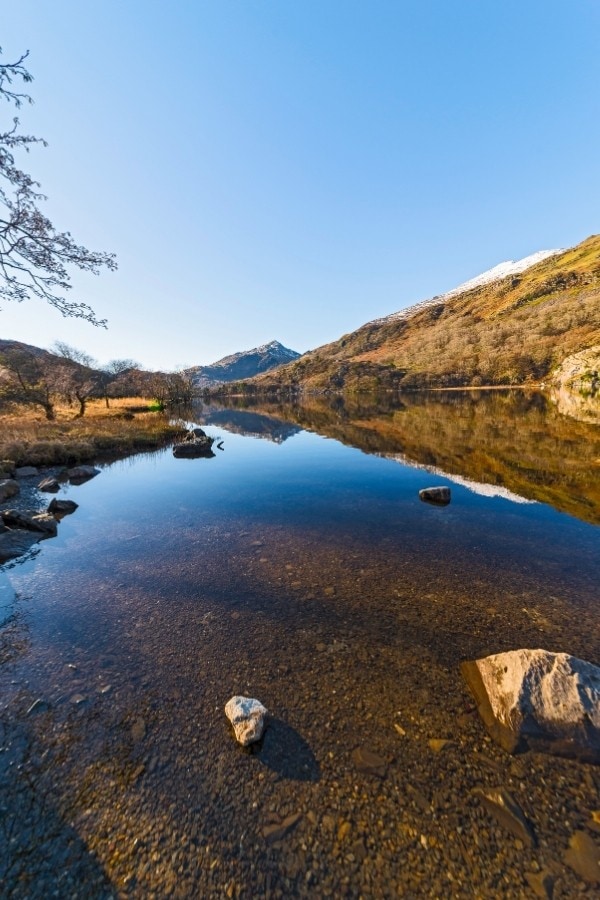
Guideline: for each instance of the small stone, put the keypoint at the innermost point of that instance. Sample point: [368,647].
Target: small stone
[440,496]
[50,485]
[541,883]
[343,831]
[138,730]
[438,744]
[278,830]
[320,647]
[77,699]
[248,717]
[583,856]
[399,729]
[329,591]
[368,762]
[507,812]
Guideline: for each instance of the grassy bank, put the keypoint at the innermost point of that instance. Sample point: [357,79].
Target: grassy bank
[27,438]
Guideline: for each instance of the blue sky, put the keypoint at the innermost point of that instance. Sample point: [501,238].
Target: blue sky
[291,169]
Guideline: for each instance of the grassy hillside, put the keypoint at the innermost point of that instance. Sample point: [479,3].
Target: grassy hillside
[517,330]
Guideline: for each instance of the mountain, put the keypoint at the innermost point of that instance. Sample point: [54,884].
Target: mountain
[518,323]
[242,365]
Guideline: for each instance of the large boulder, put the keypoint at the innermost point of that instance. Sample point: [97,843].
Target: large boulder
[49,484]
[248,717]
[8,488]
[537,700]
[26,472]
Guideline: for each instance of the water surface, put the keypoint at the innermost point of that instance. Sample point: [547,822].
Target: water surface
[301,569]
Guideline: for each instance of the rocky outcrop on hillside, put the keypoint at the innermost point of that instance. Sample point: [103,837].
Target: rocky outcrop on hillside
[576,385]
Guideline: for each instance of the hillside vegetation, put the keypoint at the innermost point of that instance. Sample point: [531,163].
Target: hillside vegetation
[518,330]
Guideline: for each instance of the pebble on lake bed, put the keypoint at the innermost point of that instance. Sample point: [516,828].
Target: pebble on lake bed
[437,495]
[248,717]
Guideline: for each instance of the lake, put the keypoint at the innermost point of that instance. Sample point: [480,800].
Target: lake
[299,566]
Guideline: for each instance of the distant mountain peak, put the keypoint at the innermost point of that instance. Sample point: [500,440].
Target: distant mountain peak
[244,364]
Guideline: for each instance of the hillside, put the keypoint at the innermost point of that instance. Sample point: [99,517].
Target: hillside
[518,328]
[245,364]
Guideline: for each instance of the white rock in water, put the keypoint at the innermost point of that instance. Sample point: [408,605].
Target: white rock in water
[247,717]
[537,700]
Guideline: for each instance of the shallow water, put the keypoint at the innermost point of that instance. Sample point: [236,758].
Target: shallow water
[307,573]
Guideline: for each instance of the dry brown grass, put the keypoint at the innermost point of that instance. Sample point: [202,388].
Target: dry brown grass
[28,438]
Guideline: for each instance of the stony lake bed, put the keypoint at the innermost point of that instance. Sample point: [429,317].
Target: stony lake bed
[308,574]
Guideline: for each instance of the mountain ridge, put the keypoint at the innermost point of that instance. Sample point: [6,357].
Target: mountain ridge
[513,330]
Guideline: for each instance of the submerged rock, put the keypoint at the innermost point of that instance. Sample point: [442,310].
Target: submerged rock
[505,809]
[16,543]
[537,700]
[26,471]
[438,495]
[583,856]
[368,762]
[248,717]
[8,488]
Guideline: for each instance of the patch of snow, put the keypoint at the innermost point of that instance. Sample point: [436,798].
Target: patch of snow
[502,270]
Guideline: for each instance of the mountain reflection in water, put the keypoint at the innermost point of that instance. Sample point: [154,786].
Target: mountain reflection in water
[508,442]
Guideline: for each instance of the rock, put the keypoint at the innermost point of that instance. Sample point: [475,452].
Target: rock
[50,485]
[8,488]
[368,762]
[275,831]
[15,543]
[438,744]
[248,717]
[541,883]
[438,495]
[26,472]
[79,474]
[583,856]
[200,448]
[505,809]
[197,432]
[7,468]
[138,730]
[62,507]
[534,699]
[29,521]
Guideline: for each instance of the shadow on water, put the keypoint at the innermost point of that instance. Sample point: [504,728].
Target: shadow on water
[284,750]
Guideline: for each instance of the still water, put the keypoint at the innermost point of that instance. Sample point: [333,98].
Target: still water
[299,566]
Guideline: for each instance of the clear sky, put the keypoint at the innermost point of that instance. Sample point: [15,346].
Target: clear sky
[290,169]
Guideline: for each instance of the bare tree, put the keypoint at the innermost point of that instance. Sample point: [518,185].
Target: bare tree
[114,380]
[35,258]
[80,379]
[36,379]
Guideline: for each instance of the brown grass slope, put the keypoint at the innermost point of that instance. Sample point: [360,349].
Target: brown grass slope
[517,330]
